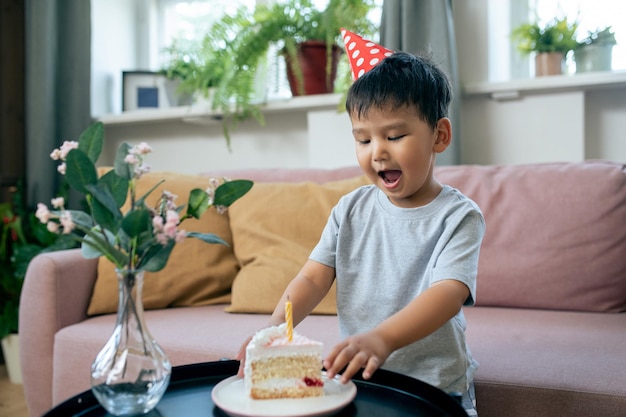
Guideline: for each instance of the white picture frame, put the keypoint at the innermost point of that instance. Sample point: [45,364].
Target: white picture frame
[143,90]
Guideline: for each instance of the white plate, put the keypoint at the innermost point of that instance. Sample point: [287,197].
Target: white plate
[230,395]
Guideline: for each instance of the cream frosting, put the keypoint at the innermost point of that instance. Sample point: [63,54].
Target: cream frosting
[264,341]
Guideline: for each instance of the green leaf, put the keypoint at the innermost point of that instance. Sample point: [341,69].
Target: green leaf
[95,245]
[229,192]
[91,141]
[117,185]
[156,257]
[103,195]
[79,217]
[104,208]
[208,238]
[9,318]
[104,217]
[123,169]
[80,170]
[136,222]
[89,249]
[141,201]
[198,203]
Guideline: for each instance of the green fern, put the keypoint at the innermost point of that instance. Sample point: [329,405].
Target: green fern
[236,48]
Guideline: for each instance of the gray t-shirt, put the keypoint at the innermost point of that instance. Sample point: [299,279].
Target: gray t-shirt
[384,256]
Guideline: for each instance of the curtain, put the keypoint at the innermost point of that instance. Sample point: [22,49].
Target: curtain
[426,26]
[58,66]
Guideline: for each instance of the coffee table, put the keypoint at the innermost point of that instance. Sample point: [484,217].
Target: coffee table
[189,395]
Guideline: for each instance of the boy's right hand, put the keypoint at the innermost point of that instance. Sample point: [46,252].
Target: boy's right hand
[241,357]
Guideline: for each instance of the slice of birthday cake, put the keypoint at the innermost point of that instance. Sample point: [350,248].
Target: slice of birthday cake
[277,367]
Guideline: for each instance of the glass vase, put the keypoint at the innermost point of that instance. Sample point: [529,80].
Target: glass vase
[131,372]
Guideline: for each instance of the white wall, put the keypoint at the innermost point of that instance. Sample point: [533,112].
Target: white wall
[106,79]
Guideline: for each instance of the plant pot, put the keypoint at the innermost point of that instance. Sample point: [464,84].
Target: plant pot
[312,58]
[11,353]
[548,63]
[592,58]
[174,98]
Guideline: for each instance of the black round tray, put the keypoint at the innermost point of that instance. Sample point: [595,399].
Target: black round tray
[386,394]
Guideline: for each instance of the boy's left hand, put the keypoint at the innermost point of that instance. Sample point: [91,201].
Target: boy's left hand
[365,350]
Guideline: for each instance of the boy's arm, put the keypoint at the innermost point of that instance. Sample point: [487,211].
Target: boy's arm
[305,292]
[421,317]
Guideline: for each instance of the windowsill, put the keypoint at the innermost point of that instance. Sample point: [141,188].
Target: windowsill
[549,84]
[509,90]
[201,114]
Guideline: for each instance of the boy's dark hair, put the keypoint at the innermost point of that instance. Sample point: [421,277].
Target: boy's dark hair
[399,80]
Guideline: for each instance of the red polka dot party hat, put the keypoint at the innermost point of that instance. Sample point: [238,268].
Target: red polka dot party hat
[362,54]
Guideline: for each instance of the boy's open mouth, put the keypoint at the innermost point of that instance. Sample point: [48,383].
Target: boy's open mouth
[390,177]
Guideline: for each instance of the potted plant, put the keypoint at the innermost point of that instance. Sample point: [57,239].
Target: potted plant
[595,52]
[194,70]
[243,41]
[22,237]
[550,43]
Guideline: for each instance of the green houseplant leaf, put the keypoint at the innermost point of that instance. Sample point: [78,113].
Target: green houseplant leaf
[92,140]
[116,185]
[80,171]
[123,169]
[229,192]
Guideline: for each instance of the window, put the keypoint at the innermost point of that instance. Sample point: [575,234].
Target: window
[592,15]
[189,20]
[131,35]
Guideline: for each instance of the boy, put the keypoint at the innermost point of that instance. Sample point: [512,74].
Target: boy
[404,251]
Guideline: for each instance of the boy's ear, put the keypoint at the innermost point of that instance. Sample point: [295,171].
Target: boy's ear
[443,130]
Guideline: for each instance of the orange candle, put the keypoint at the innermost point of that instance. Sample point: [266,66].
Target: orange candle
[289,319]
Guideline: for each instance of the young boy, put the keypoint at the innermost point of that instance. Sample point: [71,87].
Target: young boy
[404,251]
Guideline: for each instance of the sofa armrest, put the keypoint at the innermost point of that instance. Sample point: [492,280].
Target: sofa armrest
[56,294]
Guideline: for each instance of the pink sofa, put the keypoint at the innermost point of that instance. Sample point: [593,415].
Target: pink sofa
[549,327]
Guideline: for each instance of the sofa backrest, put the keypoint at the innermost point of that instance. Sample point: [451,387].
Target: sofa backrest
[556,233]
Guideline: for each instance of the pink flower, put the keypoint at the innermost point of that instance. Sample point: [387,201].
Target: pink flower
[157,223]
[142,149]
[53,227]
[55,155]
[214,182]
[67,223]
[171,223]
[42,213]
[162,238]
[141,169]
[221,209]
[180,236]
[168,198]
[58,202]
[61,168]
[131,159]
[67,146]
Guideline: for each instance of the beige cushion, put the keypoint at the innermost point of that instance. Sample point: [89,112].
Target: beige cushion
[274,230]
[197,273]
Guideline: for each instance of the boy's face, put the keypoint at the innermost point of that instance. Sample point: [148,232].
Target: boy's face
[396,150]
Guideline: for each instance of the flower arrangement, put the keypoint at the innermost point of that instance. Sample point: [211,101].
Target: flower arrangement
[143,237]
